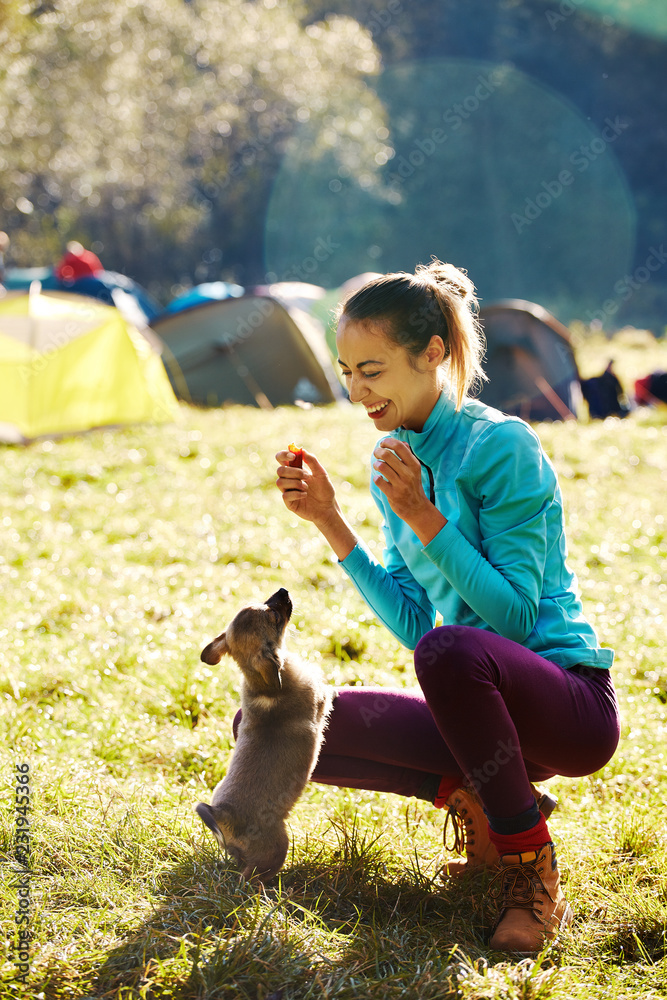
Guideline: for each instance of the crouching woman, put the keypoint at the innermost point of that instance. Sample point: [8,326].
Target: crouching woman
[515,687]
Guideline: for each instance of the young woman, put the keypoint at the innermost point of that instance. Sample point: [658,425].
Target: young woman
[515,687]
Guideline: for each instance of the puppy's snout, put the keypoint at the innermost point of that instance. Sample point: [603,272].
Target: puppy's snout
[280,601]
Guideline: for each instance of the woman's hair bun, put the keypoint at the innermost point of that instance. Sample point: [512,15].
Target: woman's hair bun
[447,277]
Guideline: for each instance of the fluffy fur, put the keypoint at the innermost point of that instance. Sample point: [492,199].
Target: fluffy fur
[285,709]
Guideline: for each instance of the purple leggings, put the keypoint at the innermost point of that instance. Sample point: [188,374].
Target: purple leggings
[490,709]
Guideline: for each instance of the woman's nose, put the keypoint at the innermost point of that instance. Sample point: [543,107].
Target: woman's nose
[357,390]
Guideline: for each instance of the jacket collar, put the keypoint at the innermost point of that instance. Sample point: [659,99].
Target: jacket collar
[440,427]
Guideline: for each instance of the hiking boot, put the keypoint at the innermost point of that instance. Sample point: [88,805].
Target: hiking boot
[533,907]
[471,830]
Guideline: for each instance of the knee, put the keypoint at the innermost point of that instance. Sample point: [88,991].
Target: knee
[449,655]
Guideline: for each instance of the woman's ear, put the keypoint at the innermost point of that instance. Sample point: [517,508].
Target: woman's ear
[435,352]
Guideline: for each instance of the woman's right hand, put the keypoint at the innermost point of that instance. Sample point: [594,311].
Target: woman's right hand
[308,491]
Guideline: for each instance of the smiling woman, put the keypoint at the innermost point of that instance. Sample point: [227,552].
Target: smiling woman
[514,686]
[419,328]
[386,383]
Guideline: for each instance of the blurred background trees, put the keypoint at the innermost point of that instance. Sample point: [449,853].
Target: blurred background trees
[191,141]
[150,131]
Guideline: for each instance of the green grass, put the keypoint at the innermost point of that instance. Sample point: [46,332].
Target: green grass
[123,554]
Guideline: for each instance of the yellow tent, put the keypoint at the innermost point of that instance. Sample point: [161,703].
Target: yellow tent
[70,363]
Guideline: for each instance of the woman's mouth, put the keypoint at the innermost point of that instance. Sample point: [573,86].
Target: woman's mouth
[376,410]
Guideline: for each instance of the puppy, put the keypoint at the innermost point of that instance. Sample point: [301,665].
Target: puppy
[285,710]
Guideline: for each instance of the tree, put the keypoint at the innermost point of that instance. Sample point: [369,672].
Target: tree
[150,129]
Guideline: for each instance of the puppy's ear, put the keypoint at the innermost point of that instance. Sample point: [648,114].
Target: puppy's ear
[208,816]
[205,813]
[215,650]
[268,666]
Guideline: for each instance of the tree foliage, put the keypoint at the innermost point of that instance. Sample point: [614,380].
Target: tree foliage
[165,134]
[149,129]
[603,58]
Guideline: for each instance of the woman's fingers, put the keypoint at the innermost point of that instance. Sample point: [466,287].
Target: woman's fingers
[395,445]
[312,463]
[391,449]
[393,456]
[285,458]
[289,477]
[398,474]
[306,491]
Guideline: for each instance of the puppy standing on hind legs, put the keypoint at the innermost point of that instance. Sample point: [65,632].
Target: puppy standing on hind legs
[285,706]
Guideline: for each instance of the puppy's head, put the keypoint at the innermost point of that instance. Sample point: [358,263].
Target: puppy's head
[254,639]
[260,853]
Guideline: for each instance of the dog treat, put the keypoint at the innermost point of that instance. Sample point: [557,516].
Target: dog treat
[297,462]
[298,456]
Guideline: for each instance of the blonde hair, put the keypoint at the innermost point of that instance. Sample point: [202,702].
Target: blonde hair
[437,300]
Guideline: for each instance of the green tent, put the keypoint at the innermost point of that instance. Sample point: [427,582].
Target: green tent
[70,363]
[530,364]
[252,350]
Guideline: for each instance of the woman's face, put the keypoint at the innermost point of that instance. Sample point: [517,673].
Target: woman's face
[378,374]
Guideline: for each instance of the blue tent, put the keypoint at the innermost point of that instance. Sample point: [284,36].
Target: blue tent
[110,287]
[209,291]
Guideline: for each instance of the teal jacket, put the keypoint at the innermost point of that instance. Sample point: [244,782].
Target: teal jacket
[500,561]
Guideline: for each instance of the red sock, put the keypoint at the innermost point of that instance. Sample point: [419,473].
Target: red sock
[446,787]
[527,840]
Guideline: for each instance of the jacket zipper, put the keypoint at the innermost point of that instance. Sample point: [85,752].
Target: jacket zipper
[431,481]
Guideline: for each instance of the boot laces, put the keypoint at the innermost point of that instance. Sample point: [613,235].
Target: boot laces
[518,886]
[454,818]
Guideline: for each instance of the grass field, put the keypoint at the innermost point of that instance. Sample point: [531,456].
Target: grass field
[122,554]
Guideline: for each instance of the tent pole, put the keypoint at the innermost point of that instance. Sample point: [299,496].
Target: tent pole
[248,380]
[34,292]
[561,408]
[176,373]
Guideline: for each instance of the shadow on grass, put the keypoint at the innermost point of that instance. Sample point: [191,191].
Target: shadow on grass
[339,925]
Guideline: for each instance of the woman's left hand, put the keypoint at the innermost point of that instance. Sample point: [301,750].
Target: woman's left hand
[398,474]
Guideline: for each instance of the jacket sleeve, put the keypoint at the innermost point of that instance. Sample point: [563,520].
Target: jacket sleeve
[391,592]
[515,486]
